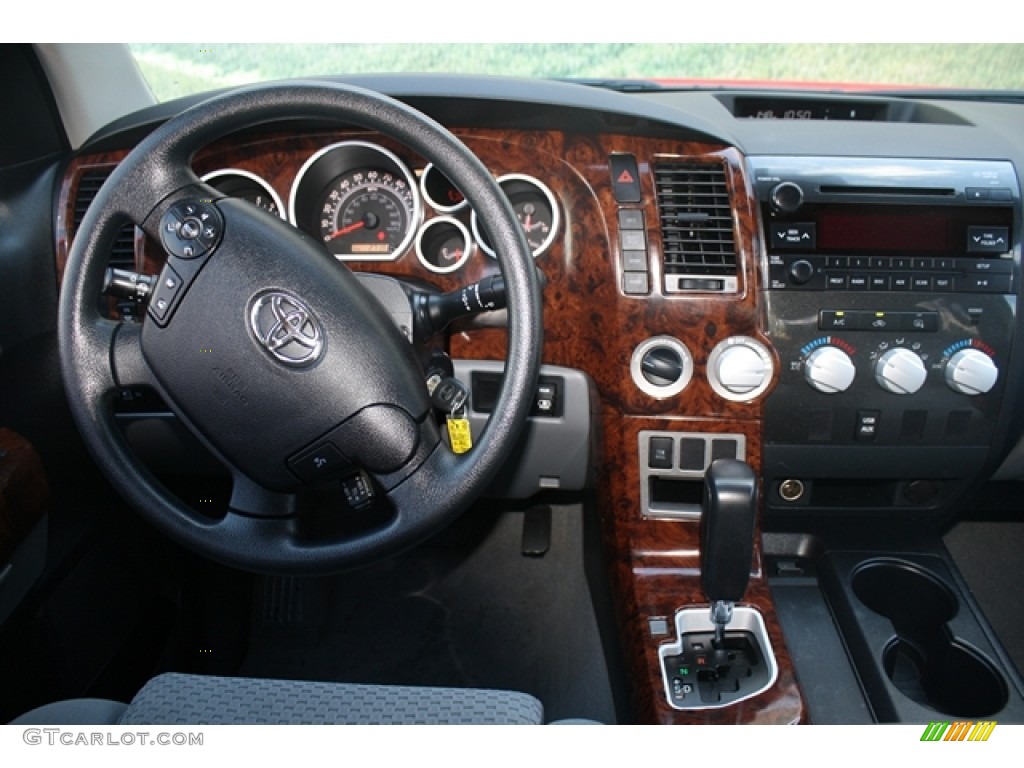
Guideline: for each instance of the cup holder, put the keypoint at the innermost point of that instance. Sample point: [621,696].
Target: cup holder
[905,594]
[948,677]
[925,661]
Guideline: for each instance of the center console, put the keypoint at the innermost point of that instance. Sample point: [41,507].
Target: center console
[890,298]
[891,303]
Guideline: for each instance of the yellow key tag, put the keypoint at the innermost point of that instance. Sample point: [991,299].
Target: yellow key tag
[459,433]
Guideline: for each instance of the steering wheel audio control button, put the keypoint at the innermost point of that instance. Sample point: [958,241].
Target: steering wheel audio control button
[165,295]
[191,228]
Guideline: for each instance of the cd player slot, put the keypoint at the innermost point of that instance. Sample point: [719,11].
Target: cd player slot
[829,189]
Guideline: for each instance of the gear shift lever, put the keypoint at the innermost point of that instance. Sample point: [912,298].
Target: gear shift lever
[727,520]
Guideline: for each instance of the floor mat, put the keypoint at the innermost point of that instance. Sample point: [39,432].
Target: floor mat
[477,615]
[989,556]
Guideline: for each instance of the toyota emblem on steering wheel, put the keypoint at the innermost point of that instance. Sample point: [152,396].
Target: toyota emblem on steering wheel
[286,328]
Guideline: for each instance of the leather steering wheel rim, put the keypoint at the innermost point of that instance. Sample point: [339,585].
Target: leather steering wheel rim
[263,531]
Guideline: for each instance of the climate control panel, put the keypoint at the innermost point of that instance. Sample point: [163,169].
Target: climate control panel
[927,372]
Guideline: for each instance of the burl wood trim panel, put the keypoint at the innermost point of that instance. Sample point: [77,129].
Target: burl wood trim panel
[65,220]
[591,325]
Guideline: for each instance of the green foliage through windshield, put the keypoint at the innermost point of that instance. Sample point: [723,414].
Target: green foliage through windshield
[178,69]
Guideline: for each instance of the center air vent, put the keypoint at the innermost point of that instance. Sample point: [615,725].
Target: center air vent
[122,254]
[696,227]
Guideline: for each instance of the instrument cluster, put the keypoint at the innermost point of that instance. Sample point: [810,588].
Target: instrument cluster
[365,204]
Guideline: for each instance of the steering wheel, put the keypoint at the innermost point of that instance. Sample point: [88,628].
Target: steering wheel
[275,356]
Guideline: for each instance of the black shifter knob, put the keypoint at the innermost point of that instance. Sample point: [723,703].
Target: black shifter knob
[727,529]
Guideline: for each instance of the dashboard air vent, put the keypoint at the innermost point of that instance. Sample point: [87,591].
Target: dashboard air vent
[696,227]
[122,254]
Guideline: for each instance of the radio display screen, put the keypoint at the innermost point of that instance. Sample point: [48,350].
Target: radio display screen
[876,231]
[892,230]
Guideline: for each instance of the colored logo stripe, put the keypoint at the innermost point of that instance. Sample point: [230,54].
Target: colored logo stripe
[982,731]
[959,731]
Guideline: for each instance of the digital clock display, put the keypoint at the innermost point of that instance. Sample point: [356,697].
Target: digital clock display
[807,109]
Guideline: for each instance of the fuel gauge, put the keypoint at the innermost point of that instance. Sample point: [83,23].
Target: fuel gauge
[443,245]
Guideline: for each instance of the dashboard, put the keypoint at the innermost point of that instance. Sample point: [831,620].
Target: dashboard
[830,297]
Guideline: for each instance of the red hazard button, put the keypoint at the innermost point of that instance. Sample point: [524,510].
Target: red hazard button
[625,178]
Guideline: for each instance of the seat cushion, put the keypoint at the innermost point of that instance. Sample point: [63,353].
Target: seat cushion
[74,712]
[176,699]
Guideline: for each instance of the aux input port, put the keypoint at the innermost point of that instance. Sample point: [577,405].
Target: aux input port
[791,490]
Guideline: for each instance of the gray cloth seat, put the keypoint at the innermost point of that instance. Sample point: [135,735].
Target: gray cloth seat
[177,699]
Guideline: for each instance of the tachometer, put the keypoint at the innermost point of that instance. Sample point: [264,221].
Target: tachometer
[234,182]
[359,199]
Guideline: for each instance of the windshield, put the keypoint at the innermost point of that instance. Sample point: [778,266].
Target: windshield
[174,70]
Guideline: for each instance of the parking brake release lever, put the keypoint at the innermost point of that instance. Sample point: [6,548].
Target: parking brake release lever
[728,514]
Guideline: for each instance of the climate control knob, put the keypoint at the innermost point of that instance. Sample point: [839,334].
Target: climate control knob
[900,371]
[971,372]
[830,370]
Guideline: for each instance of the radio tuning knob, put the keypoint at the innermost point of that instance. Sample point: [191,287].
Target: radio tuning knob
[801,271]
[971,372]
[900,371]
[786,197]
[830,370]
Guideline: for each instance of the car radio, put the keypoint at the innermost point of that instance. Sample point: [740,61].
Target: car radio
[890,295]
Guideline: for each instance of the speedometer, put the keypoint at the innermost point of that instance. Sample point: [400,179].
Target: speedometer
[359,200]
[367,213]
